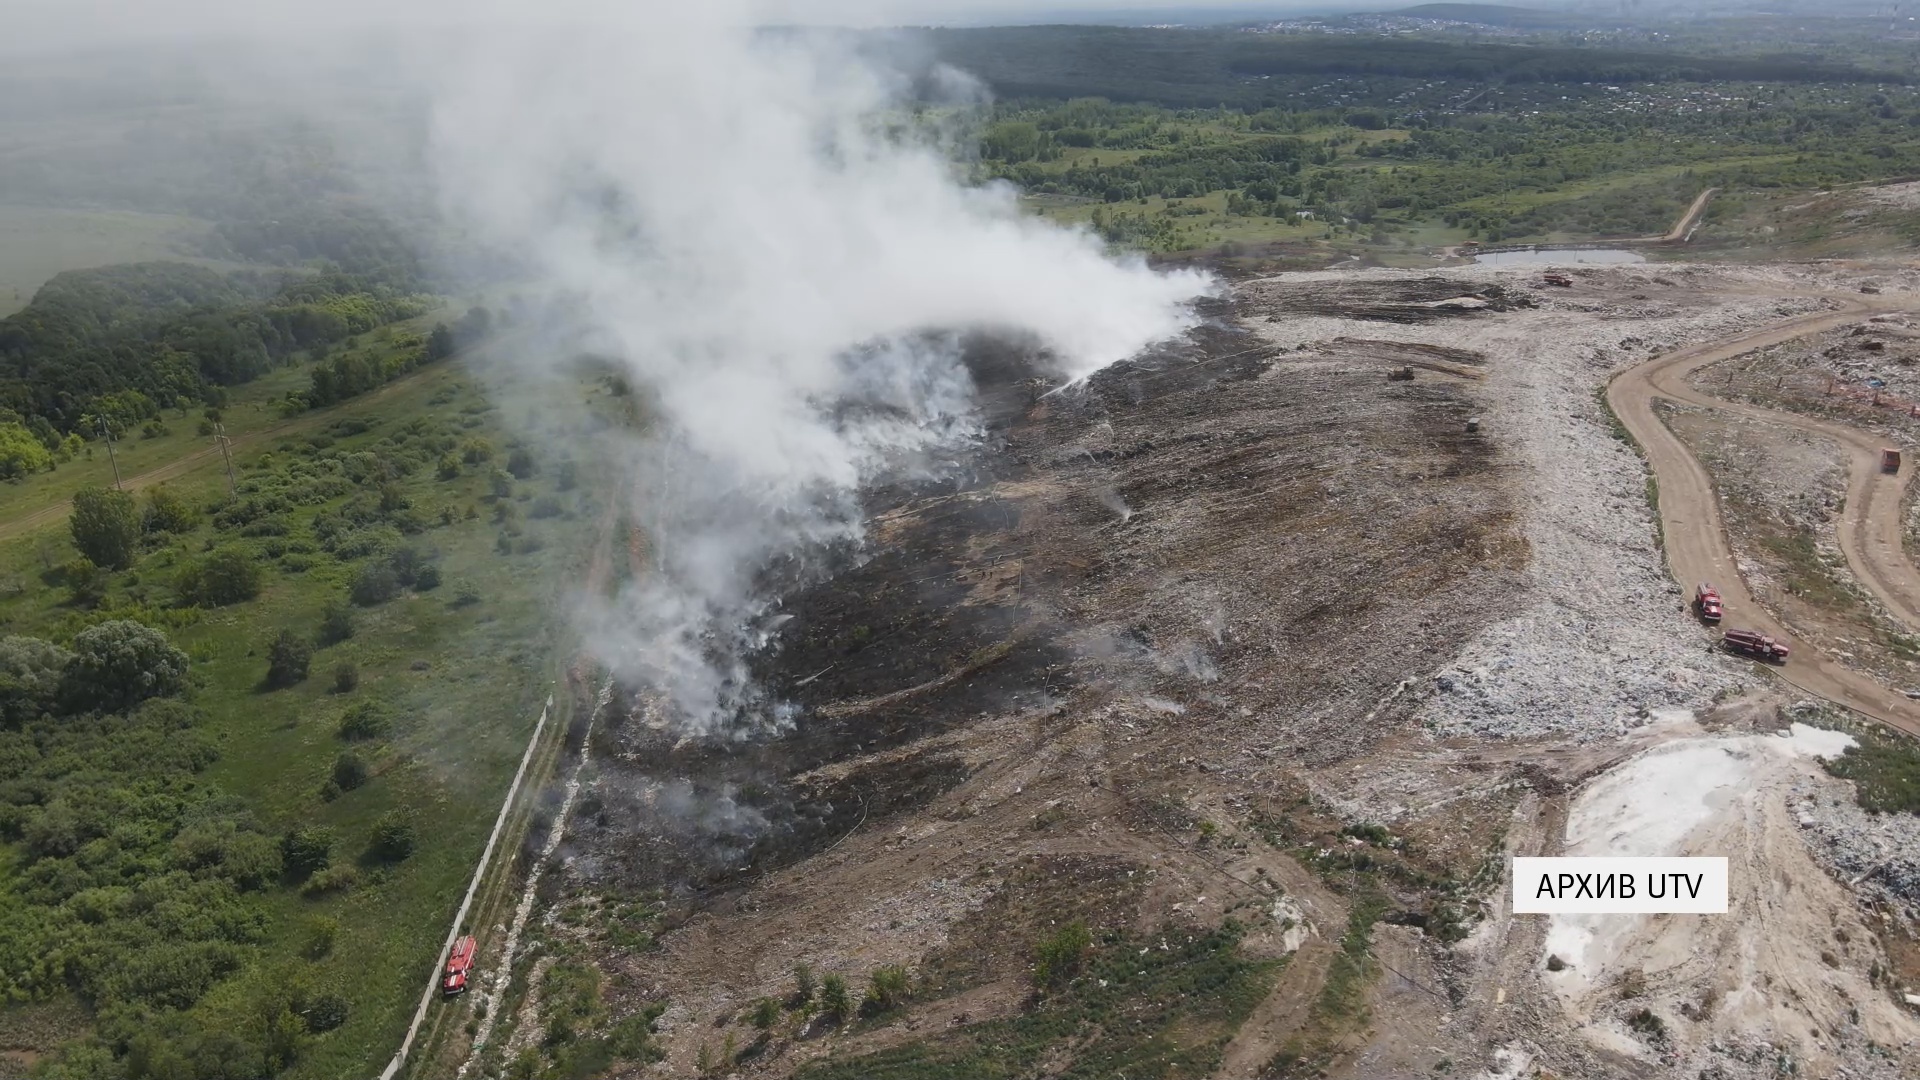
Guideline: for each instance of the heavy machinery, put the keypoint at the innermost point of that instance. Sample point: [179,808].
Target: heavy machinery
[1889,460]
[459,966]
[1754,644]
[1558,280]
[1706,603]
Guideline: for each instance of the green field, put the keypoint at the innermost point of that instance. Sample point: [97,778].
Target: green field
[461,668]
[37,243]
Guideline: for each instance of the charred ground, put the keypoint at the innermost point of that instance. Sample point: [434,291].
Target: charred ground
[1153,595]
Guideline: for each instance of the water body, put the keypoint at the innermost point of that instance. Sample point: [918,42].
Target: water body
[1569,257]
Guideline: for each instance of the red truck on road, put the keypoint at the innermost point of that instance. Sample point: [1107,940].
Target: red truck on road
[459,965]
[1755,644]
[1706,603]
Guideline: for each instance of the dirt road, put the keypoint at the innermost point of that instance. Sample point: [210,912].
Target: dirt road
[1696,542]
[1688,220]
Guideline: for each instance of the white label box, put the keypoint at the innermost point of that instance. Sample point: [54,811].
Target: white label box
[1620,886]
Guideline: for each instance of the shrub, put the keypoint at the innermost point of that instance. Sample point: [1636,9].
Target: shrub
[325,1013]
[367,720]
[546,506]
[766,1012]
[333,879]
[449,467]
[119,664]
[350,770]
[30,671]
[106,526]
[888,989]
[336,623]
[321,933]
[86,583]
[228,576]
[306,849]
[287,660]
[167,512]
[1058,958]
[21,452]
[427,577]
[567,475]
[835,1002]
[346,678]
[500,484]
[376,583]
[520,463]
[394,837]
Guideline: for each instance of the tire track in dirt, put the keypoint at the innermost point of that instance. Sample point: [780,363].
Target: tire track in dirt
[1695,537]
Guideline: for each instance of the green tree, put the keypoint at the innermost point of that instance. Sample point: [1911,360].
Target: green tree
[167,512]
[287,660]
[21,452]
[365,720]
[307,849]
[105,526]
[30,671]
[227,576]
[350,770]
[121,663]
[336,623]
[394,837]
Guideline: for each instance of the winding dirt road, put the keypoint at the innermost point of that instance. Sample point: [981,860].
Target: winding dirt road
[1696,541]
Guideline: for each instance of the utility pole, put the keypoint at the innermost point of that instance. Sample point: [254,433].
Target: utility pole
[220,436]
[107,433]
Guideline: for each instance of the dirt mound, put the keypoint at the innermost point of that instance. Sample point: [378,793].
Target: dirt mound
[1396,299]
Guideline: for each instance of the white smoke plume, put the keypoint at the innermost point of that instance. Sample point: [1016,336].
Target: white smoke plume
[737,219]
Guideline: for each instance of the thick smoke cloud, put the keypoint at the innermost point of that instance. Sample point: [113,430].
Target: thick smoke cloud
[738,220]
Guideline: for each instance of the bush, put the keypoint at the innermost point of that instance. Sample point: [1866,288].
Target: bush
[376,583]
[106,527]
[86,583]
[766,1012]
[228,576]
[336,624]
[167,512]
[346,678]
[427,578]
[449,467]
[546,506]
[116,665]
[287,660]
[30,671]
[567,475]
[1058,958]
[306,849]
[325,1013]
[520,463]
[21,452]
[394,837]
[332,879]
[321,933]
[500,484]
[888,990]
[350,770]
[367,720]
[835,1002]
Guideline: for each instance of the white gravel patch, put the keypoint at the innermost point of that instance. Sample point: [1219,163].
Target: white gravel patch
[1599,640]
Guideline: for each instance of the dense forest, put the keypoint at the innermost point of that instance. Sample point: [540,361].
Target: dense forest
[114,345]
[1206,68]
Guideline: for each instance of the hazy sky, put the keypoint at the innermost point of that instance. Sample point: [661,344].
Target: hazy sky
[66,24]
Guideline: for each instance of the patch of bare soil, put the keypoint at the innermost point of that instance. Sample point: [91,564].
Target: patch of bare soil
[1781,492]
[1257,630]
